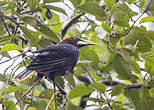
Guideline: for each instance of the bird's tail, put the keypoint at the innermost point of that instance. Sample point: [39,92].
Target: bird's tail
[24,75]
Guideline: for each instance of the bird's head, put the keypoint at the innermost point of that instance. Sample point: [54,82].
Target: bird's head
[77,42]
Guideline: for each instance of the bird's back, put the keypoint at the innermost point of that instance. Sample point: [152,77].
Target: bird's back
[55,60]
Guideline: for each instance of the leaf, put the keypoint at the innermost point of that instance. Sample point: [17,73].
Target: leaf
[59,9]
[143,45]
[106,27]
[131,1]
[150,34]
[44,42]
[70,79]
[87,54]
[31,108]
[95,99]
[28,34]
[50,1]
[136,68]
[109,3]
[149,66]
[9,47]
[32,4]
[122,68]
[92,8]
[151,92]
[117,90]
[151,8]
[142,3]
[3,78]
[79,91]
[98,86]
[147,19]
[29,20]
[13,89]
[47,31]
[140,98]
[9,105]
[76,2]
[135,34]
[46,94]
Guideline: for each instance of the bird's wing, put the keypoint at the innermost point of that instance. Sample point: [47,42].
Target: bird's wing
[51,61]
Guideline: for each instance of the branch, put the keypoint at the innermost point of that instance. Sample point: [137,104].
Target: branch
[5,25]
[136,20]
[71,22]
[28,90]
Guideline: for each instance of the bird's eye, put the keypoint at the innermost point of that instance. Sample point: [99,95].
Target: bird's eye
[75,39]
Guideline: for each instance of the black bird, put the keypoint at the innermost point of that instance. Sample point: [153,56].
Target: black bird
[55,60]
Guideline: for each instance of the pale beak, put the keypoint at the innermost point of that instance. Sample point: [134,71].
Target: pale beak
[82,43]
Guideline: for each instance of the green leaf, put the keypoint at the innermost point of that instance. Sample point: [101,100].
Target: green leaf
[150,34]
[106,27]
[13,89]
[9,105]
[3,78]
[98,86]
[122,68]
[117,90]
[76,2]
[135,34]
[151,92]
[79,91]
[87,54]
[9,47]
[55,8]
[149,66]
[140,98]
[95,99]
[28,34]
[50,1]
[70,79]
[44,42]
[47,31]
[142,3]
[136,68]
[92,8]
[31,108]
[32,4]
[131,1]
[151,8]
[147,19]
[46,94]
[29,20]
[143,45]
[109,3]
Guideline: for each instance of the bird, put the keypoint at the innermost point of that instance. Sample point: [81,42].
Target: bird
[55,60]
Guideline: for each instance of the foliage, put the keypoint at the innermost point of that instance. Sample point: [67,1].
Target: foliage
[124,52]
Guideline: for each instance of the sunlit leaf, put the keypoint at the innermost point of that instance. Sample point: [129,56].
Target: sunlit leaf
[59,9]
[92,8]
[106,27]
[147,19]
[117,90]
[79,91]
[50,1]
[151,92]
[149,66]
[32,4]
[9,105]
[109,3]
[9,47]
[98,86]
[131,1]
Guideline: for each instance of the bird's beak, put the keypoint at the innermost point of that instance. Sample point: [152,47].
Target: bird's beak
[82,43]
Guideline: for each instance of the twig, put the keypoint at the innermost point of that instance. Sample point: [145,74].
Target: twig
[28,91]
[88,73]
[54,85]
[136,20]
[84,30]
[50,100]
[71,22]
[5,26]
[13,57]
[66,104]
[10,65]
